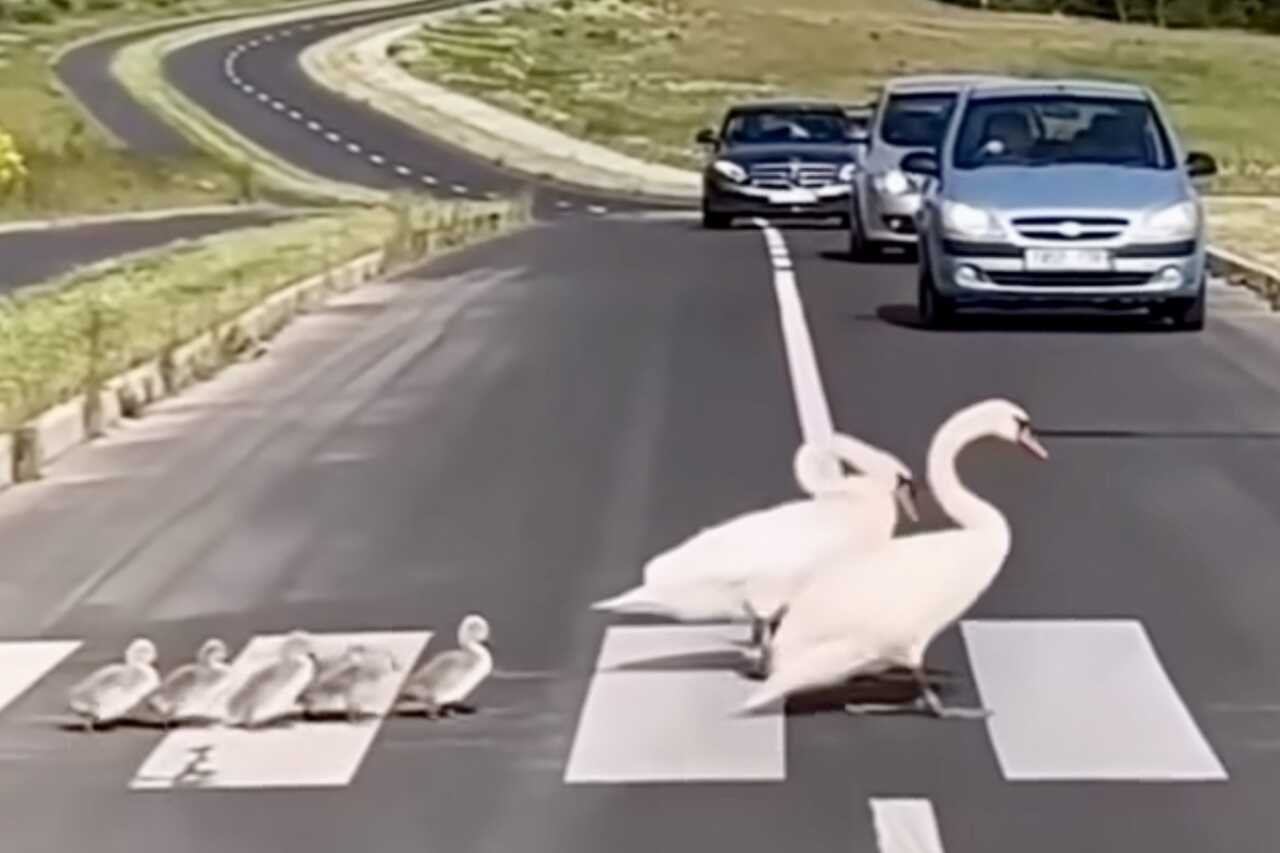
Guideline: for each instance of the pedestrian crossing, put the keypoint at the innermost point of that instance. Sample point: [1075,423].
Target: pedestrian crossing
[1073,700]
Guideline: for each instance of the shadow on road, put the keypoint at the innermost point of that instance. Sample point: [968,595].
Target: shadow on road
[907,317]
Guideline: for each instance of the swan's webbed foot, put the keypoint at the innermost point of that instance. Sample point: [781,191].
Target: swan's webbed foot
[930,701]
[863,709]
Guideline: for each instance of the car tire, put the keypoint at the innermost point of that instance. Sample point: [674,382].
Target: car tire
[860,249]
[1188,314]
[935,310]
[715,221]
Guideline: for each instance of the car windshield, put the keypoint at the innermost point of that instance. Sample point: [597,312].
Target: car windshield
[916,121]
[1050,130]
[762,127]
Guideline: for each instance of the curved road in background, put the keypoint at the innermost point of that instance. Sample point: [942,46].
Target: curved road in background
[516,428]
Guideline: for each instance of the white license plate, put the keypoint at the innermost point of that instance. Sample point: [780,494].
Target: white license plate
[1070,260]
[793,197]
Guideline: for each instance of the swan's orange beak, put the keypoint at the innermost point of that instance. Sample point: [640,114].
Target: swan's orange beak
[1032,445]
[906,495]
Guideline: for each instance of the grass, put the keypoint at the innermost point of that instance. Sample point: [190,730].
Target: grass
[73,167]
[55,339]
[643,75]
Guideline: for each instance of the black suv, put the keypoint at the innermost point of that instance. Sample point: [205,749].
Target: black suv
[781,159]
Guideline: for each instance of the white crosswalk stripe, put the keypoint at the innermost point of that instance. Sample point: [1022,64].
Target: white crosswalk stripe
[25,662]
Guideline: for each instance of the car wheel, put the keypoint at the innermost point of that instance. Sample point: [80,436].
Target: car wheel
[1188,314]
[935,310]
[714,220]
[859,248]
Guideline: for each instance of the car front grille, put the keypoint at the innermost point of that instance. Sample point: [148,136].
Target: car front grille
[1069,279]
[786,176]
[1068,228]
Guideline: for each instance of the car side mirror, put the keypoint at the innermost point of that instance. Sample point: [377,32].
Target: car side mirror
[706,137]
[1201,165]
[921,163]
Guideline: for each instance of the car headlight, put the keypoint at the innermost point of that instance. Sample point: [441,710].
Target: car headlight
[1179,222]
[894,182]
[969,222]
[731,170]
[846,173]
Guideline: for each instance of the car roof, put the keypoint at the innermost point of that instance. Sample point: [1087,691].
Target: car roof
[811,104]
[1085,87]
[925,83]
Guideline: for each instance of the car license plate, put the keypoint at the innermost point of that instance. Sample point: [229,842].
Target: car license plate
[1068,260]
[793,197]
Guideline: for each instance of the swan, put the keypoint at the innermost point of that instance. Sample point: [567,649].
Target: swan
[748,566]
[347,680]
[112,691]
[444,682]
[186,690]
[272,692]
[882,609]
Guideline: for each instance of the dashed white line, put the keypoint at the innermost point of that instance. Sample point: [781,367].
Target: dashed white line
[430,180]
[277,106]
[403,170]
[286,33]
[253,42]
[333,137]
[564,205]
[353,148]
[315,126]
[905,826]
[459,189]
[295,115]
[490,195]
[264,97]
[377,159]
[598,210]
[268,38]
[247,89]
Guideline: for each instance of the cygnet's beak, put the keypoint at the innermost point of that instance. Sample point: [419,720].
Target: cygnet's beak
[905,492]
[1029,442]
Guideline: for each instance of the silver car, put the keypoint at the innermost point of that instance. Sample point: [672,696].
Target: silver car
[910,115]
[1061,193]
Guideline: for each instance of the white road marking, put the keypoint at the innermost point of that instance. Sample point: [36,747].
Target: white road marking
[247,88]
[403,170]
[353,148]
[459,189]
[333,137]
[23,663]
[377,159]
[597,209]
[806,379]
[564,205]
[286,33]
[269,37]
[295,115]
[905,826]
[430,180]
[264,97]
[646,719]
[277,106]
[298,755]
[1084,700]
[315,126]
[253,42]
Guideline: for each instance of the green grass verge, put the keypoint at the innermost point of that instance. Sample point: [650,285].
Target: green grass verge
[57,337]
[643,75]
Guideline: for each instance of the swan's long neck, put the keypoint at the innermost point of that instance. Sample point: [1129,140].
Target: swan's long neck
[964,507]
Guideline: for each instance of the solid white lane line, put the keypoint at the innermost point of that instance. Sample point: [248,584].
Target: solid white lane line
[1084,700]
[403,170]
[23,663]
[300,755]
[377,159]
[905,826]
[646,719]
[806,379]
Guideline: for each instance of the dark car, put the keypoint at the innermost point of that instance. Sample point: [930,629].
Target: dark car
[781,159]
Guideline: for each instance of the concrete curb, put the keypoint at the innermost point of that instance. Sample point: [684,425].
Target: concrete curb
[1243,272]
[356,64]
[42,439]
[80,221]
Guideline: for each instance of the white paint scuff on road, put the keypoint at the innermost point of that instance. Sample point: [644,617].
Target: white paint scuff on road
[23,663]
[806,379]
[1084,700]
[296,755]
[905,826]
[647,718]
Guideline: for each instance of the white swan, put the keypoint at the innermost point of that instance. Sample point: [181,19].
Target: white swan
[868,613]
[111,692]
[749,566]
[271,693]
[347,681]
[185,691]
[444,682]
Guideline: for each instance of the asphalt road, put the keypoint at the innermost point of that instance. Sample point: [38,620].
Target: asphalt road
[35,256]
[514,429]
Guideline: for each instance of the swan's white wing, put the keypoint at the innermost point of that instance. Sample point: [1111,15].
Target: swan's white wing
[774,541]
[893,599]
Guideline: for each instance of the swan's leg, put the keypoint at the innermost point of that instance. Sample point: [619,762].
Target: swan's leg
[935,706]
[859,709]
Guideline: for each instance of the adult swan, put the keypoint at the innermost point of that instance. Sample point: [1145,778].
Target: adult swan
[864,614]
[747,567]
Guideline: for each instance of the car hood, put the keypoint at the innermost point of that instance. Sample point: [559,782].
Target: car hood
[747,155]
[1073,187]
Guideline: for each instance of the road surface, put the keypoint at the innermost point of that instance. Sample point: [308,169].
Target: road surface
[514,429]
